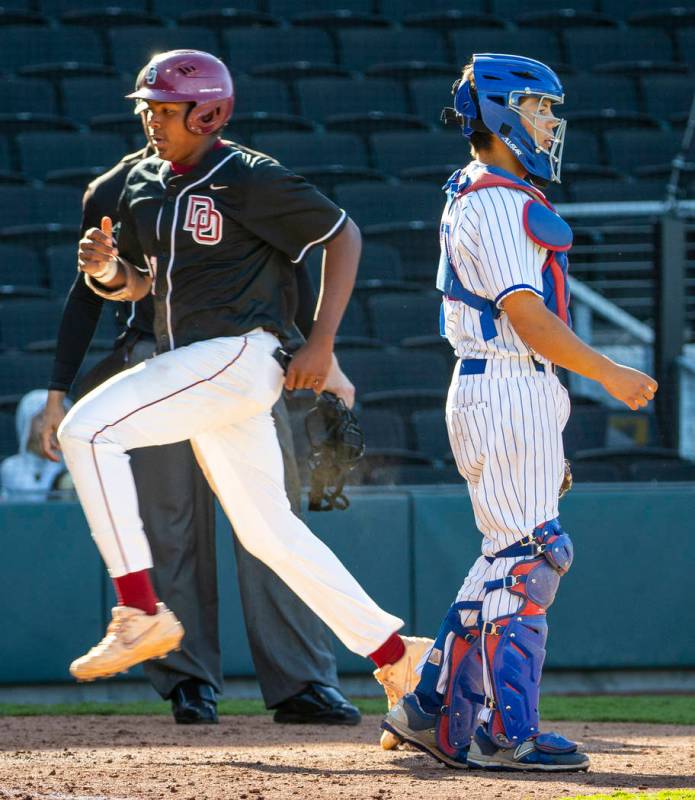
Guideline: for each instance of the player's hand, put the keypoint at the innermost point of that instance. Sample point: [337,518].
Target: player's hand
[53,415]
[97,248]
[630,386]
[339,383]
[310,366]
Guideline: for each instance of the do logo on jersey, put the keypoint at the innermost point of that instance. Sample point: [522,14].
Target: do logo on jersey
[203,220]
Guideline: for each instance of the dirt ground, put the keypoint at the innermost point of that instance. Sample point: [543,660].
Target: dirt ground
[251,758]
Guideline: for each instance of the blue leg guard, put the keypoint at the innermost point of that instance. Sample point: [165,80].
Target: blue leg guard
[514,645]
[457,708]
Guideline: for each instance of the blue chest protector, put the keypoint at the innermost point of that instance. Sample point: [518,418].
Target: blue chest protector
[543,226]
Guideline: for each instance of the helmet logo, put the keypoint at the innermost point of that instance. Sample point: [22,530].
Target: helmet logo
[203,220]
[510,144]
[151,76]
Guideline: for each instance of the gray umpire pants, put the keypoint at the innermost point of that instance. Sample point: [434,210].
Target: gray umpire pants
[290,646]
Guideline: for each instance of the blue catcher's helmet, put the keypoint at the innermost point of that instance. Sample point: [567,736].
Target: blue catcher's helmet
[501,82]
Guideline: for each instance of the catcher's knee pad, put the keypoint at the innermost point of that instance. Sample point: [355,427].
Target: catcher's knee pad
[452,680]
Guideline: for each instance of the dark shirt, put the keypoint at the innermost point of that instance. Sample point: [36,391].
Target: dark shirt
[223,241]
[83,307]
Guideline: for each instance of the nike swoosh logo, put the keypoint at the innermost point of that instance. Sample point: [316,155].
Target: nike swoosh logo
[133,642]
[214,188]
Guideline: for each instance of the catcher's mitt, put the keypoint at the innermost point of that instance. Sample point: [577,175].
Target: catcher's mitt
[566,484]
[336,445]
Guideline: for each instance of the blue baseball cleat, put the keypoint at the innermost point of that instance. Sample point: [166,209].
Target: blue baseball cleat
[548,752]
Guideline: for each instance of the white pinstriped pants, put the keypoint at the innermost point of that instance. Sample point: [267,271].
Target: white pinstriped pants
[219,394]
[506,436]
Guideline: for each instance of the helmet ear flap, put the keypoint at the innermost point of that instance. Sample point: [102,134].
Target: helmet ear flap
[464,104]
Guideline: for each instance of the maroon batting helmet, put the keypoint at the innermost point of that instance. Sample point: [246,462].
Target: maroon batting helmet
[189,76]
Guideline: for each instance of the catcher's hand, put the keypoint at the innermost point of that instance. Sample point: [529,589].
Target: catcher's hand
[337,443]
[566,484]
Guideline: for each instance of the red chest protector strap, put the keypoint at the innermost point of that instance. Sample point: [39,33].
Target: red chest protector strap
[489,181]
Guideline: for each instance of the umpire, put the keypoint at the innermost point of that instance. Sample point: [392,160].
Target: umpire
[291,649]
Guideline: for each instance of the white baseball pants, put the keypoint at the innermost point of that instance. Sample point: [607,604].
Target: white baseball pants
[219,394]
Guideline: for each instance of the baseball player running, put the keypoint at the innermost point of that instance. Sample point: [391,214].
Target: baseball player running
[503,276]
[214,233]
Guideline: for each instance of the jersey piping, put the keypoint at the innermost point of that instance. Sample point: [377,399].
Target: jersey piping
[307,247]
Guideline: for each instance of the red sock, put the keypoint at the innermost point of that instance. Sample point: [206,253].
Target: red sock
[389,652]
[135,590]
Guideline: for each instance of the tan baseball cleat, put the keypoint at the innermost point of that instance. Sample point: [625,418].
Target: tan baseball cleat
[132,637]
[400,678]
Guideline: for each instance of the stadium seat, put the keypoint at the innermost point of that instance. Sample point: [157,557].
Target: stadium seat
[371,203]
[586,49]
[23,46]
[132,47]
[621,10]
[383,369]
[361,49]
[87,97]
[261,94]
[62,267]
[399,9]
[631,148]
[22,372]
[604,190]
[430,95]
[379,262]
[244,127]
[398,151]
[383,429]
[409,474]
[355,322]
[291,8]
[510,8]
[431,436]
[247,48]
[23,205]
[23,322]
[662,470]
[54,8]
[20,266]
[8,435]
[169,8]
[28,94]
[43,152]
[527,42]
[595,472]
[313,149]
[564,19]
[322,97]
[585,93]
[581,147]
[686,45]
[666,95]
[397,315]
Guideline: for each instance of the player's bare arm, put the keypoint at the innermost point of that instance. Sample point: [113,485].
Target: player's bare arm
[312,363]
[53,415]
[547,335]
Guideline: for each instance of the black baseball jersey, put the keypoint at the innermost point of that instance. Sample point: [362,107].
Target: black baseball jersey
[222,241]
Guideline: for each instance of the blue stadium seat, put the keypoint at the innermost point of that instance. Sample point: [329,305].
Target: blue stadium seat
[22,372]
[622,10]
[430,95]
[313,149]
[586,48]
[321,97]
[383,428]
[24,322]
[431,437]
[373,203]
[28,94]
[510,8]
[62,267]
[617,189]
[20,266]
[379,262]
[355,322]
[628,149]
[395,152]
[527,42]
[581,147]
[686,45]
[23,46]
[247,48]
[132,47]
[23,205]
[666,95]
[88,97]
[41,153]
[291,8]
[395,316]
[585,93]
[399,9]
[261,94]
[361,49]
[8,435]
[175,8]
[54,8]
[380,369]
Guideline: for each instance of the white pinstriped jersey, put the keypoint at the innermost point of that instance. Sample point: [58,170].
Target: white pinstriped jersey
[493,257]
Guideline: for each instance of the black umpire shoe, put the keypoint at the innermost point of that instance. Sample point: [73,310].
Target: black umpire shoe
[193,703]
[318,705]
